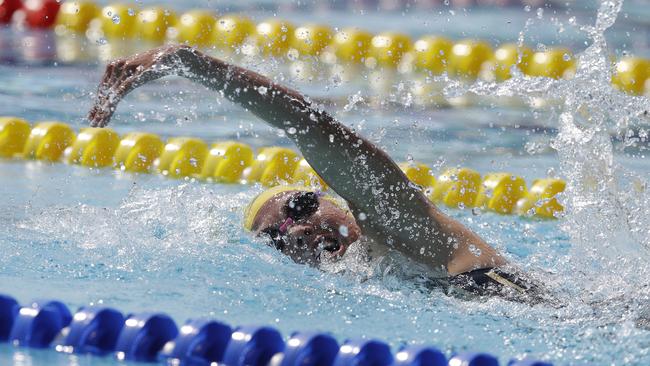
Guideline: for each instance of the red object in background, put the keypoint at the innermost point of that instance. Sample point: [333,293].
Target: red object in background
[7,9]
[41,13]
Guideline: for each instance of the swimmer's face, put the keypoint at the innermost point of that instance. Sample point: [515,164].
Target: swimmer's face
[323,233]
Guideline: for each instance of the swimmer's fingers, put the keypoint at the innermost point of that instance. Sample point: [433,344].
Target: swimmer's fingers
[105,103]
[100,114]
[103,108]
[91,116]
[95,113]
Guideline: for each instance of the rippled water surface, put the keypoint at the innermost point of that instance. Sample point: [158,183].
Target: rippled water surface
[144,242]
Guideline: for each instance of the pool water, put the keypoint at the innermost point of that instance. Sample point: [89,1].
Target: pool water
[145,242]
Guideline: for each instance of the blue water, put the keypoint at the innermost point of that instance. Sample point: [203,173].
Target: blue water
[144,242]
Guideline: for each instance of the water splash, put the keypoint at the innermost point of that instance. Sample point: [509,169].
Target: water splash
[144,233]
[606,205]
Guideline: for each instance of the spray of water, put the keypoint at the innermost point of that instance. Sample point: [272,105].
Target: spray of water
[606,205]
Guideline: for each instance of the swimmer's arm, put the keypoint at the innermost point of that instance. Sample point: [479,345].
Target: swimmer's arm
[386,204]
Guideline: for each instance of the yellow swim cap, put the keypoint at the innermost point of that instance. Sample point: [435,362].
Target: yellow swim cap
[256,204]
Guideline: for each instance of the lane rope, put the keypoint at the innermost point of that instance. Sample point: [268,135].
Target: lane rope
[154,337]
[236,162]
[307,44]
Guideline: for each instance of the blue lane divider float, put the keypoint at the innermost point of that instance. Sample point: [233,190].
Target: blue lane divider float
[474,359]
[253,346]
[144,335]
[362,352]
[420,356]
[37,325]
[200,342]
[8,310]
[94,330]
[310,349]
[154,337]
[529,363]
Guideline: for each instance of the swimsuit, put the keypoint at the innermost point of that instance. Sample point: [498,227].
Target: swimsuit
[502,282]
[505,282]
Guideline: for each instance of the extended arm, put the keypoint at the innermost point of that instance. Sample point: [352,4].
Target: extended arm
[387,206]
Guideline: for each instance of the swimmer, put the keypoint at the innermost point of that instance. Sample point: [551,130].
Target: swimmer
[385,207]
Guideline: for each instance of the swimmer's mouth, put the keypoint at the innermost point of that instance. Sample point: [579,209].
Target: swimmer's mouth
[330,246]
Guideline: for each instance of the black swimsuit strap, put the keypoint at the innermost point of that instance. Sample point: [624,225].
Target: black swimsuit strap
[496,281]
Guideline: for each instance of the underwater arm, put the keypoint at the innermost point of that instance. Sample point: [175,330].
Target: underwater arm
[387,206]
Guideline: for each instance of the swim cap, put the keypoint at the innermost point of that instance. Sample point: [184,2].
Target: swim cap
[256,204]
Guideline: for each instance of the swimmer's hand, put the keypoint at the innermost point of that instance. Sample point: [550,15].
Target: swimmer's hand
[125,74]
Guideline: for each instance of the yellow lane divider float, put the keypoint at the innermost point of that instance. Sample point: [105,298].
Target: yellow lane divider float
[48,141]
[182,157]
[137,152]
[94,147]
[467,59]
[235,162]
[226,161]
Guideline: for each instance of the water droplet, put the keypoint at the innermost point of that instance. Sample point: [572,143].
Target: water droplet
[262,90]
[291,130]
[352,101]
[343,230]
[474,250]
[116,19]
[551,172]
